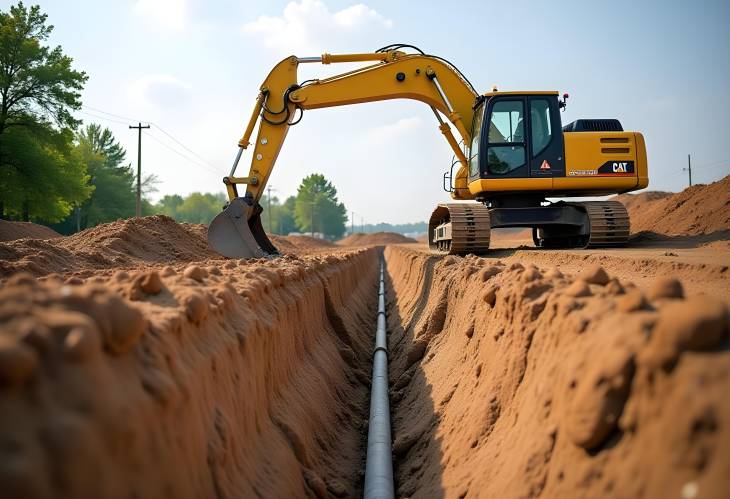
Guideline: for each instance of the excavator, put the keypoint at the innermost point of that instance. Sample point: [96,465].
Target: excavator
[515,163]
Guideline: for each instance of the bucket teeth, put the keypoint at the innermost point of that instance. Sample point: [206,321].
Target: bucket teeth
[236,232]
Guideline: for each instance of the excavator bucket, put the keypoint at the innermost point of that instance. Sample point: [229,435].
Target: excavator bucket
[236,232]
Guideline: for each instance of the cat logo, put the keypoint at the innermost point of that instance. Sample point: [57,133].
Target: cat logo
[619,167]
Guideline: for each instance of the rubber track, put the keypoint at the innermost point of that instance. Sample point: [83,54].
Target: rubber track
[609,223]
[470,228]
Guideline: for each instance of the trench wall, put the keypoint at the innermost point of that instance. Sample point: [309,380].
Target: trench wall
[514,381]
[244,379]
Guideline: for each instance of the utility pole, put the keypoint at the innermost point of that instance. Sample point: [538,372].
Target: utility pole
[139,128]
[352,222]
[362,225]
[689,169]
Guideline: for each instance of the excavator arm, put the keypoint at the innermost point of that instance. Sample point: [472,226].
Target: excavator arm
[237,231]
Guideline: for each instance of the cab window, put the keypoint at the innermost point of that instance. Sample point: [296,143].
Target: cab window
[506,137]
[475,136]
[540,121]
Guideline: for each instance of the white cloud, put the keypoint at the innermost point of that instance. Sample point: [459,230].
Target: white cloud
[390,132]
[168,14]
[161,90]
[308,27]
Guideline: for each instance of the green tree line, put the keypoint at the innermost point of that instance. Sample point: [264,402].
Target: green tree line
[55,171]
[315,208]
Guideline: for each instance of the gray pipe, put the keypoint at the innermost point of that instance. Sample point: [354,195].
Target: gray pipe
[379,461]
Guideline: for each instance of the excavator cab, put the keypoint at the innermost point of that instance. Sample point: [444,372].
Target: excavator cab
[517,136]
[519,157]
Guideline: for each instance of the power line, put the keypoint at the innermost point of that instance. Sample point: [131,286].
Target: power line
[183,145]
[103,118]
[715,164]
[201,162]
[111,114]
[178,142]
[189,159]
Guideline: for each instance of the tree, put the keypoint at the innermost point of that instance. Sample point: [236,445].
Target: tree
[114,195]
[199,208]
[169,205]
[282,215]
[114,182]
[317,203]
[38,91]
[102,141]
[37,83]
[40,181]
[287,222]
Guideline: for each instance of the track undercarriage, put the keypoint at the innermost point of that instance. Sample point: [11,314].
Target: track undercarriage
[463,228]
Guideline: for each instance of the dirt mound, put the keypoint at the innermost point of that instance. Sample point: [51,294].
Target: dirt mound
[640,200]
[124,243]
[246,379]
[513,381]
[700,209]
[376,238]
[298,244]
[10,231]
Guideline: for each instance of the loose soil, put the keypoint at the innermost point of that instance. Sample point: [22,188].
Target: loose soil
[298,244]
[700,209]
[230,379]
[514,381]
[10,231]
[135,362]
[374,239]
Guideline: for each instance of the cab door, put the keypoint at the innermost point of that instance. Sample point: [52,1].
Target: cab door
[546,137]
[503,139]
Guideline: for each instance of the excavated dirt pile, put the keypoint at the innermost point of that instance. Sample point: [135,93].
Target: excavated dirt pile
[512,381]
[122,244]
[135,362]
[10,231]
[240,379]
[700,209]
[374,239]
[126,244]
[298,244]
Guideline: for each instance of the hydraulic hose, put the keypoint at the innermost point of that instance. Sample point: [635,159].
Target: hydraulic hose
[379,460]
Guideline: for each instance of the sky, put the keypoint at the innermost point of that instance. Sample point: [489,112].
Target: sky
[192,68]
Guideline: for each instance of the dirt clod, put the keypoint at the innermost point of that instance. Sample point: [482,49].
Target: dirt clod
[632,301]
[17,362]
[196,307]
[151,283]
[195,272]
[694,324]
[595,274]
[599,399]
[578,289]
[665,287]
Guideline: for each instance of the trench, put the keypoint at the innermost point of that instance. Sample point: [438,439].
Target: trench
[253,378]
[245,379]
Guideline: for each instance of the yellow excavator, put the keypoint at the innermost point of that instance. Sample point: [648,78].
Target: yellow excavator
[514,155]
